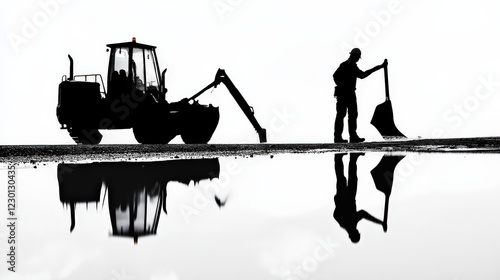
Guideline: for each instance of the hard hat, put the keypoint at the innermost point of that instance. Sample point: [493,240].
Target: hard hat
[356,51]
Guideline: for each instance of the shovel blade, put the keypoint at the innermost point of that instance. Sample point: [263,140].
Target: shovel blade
[383,121]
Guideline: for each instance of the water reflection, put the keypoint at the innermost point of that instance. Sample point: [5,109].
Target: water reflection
[383,177]
[346,213]
[137,191]
[277,223]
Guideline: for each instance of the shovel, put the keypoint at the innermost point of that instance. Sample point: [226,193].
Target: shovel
[383,117]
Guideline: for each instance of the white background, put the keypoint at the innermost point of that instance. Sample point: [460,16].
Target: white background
[280,54]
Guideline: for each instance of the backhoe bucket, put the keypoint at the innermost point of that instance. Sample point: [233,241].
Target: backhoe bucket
[262,135]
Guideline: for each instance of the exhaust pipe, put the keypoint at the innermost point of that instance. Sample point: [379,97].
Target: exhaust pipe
[70,67]
[163,88]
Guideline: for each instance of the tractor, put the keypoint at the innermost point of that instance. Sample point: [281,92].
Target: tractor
[136,98]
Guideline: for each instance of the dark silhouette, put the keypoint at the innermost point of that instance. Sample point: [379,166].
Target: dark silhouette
[346,213]
[345,79]
[220,203]
[114,85]
[136,99]
[383,117]
[383,177]
[123,82]
[79,183]
[137,191]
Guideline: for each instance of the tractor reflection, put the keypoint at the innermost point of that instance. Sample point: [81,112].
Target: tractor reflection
[137,190]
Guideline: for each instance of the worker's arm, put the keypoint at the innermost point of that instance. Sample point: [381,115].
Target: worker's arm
[362,214]
[364,74]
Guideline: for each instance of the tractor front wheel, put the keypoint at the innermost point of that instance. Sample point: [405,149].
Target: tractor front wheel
[85,136]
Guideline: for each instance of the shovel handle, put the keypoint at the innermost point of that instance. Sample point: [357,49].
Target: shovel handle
[386,78]
[386,212]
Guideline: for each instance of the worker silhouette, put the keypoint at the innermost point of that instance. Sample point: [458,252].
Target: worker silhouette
[346,213]
[345,79]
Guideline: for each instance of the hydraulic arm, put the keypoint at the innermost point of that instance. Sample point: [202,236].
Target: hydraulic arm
[221,77]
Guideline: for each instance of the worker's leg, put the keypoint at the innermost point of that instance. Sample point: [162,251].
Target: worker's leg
[352,183]
[339,172]
[339,118]
[352,116]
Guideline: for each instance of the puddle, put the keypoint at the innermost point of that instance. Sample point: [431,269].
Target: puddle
[287,216]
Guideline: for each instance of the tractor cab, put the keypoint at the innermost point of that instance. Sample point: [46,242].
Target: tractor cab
[133,70]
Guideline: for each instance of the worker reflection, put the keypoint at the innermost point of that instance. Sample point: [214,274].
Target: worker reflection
[345,79]
[345,212]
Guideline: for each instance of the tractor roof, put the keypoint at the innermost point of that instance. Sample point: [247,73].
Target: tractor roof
[132,44]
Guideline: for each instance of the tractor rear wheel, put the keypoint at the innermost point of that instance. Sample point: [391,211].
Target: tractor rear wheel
[153,124]
[152,134]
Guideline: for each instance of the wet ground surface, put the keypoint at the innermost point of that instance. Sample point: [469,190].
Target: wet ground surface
[75,153]
[325,215]
[415,209]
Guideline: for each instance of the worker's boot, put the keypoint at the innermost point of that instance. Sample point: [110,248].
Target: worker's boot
[339,140]
[356,139]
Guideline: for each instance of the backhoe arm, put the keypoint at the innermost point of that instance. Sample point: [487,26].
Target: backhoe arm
[221,77]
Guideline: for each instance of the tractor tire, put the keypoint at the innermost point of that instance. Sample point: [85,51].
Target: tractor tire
[189,139]
[142,134]
[85,136]
[151,134]
[153,124]
[152,128]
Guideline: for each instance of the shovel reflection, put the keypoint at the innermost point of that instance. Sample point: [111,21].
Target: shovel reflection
[383,176]
[137,190]
[346,213]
